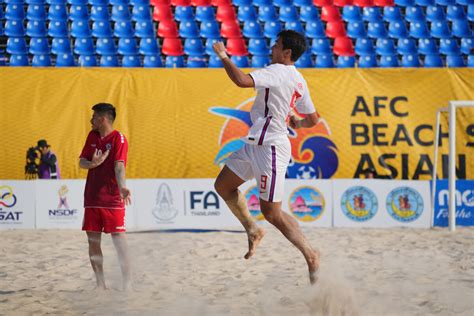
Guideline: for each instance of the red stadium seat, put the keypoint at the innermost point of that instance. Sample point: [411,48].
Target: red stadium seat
[168,28]
[364,3]
[218,3]
[230,29]
[159,2]
[183,3]
[342,3]
[335,29]
[172,47]
[162,12]
[330,13]
[384,3]
[225,13]
[321,3]
[201,3]
[343,46]
[237,47]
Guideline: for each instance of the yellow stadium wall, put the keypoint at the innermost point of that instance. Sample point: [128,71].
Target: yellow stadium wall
[165,114]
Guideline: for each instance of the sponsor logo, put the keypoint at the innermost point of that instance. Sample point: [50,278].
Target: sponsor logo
[8,200]
[63,211]
[164,210]
[359,204]
[314,154]
[307,204]
[464,197]
[204,203]
[404,204]
[108,146]
[253,202]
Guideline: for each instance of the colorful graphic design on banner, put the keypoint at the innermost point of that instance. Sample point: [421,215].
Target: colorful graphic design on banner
[306,204]
[63,211]
[7,201]
[253,202]
[404,204]
[164,210]
[464,203]
[359,203]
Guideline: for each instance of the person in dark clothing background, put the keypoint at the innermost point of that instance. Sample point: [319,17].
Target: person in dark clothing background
[48,168]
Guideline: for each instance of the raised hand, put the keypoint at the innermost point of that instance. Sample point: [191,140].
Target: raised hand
[219,49]
[99,157]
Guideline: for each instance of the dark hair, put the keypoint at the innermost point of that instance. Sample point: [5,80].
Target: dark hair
[105,109]
[294,41]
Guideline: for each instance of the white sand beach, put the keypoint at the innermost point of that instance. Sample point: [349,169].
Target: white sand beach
[363,272]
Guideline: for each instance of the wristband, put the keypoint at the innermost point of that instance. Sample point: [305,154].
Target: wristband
[222,55]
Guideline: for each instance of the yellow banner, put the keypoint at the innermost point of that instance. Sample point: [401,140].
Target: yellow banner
[182,123]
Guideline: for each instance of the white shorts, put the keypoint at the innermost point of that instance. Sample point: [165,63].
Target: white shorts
[267,164]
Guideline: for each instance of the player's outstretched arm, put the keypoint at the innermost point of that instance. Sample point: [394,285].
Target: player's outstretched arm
[241,79]
[97,159]
[310,120]
[120,176]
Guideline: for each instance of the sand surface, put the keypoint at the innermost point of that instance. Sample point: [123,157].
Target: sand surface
[363,272]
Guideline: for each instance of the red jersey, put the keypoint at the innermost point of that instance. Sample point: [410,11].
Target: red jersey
[102,190]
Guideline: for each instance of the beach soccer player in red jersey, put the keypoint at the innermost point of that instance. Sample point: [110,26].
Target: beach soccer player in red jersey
[106,194]
[267,150]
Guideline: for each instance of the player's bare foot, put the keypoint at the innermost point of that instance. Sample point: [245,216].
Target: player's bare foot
[254,239]
[313,267]
[100,287]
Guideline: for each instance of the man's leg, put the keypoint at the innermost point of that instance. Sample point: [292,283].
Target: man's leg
[289,227]
[120,243]
[226,185]
[96,258]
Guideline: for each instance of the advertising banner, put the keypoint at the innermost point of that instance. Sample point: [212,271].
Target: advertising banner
[17,204]
[464,203]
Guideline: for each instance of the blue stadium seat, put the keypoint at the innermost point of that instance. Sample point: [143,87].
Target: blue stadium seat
[314,29]
[392,14]
[214,62]
[305,61]
[14,28]
[174,62]
[372,14]
[131,61]
[17,45]
[272,28]
[87,61]
[470,61]
[376,30]
[240,3]
[351,13]
[109,61]
[60,45]
[321,46]
[414,14]
[404,3]
[424,3]
[127,46]
[445,2]
[465,2]
[105,46]
[240,61]
[388,61]
[411,61]
[247,13]
[98,2]
[289,14]
[1,12]
[356,29]
[260,3]
[36,28]
[455,12]
[427,46]
[80,28]
[406,46]
[252,30]
[53,2]
[193,47]
[29,2]
[364,46]
[101,29]
[100,13]
[14,2]
[433,61]
[84,46]
[209,43]
[196,61]
[36,12]
[205,14]
[1,29]
[77,2]
[14,12]
[282,3]
[440,29]
[346,62]
[455,61]
[470,12]
[144,28]
[295,26]
[367,61]
[309,14]
[41,60]
[397,29]
[119,2]
[385,46]
[152,61]
[57,12]
[120,13]
[460,28]
[258,46]
[19,60]
[141,12]
[260,61]
[210,29]
[183,13]
[302,3]
[78,12]
[324,61]
[39,46]
[449,46]
[124,29]
[267,13]
[65,59]
[419,30]
[58,29]
[435,13]
[149,46]
[467,45]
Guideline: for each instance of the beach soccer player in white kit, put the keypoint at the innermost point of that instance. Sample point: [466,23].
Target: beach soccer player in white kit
[267,152]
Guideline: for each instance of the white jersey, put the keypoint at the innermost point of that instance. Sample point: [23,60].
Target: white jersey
[279,89]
